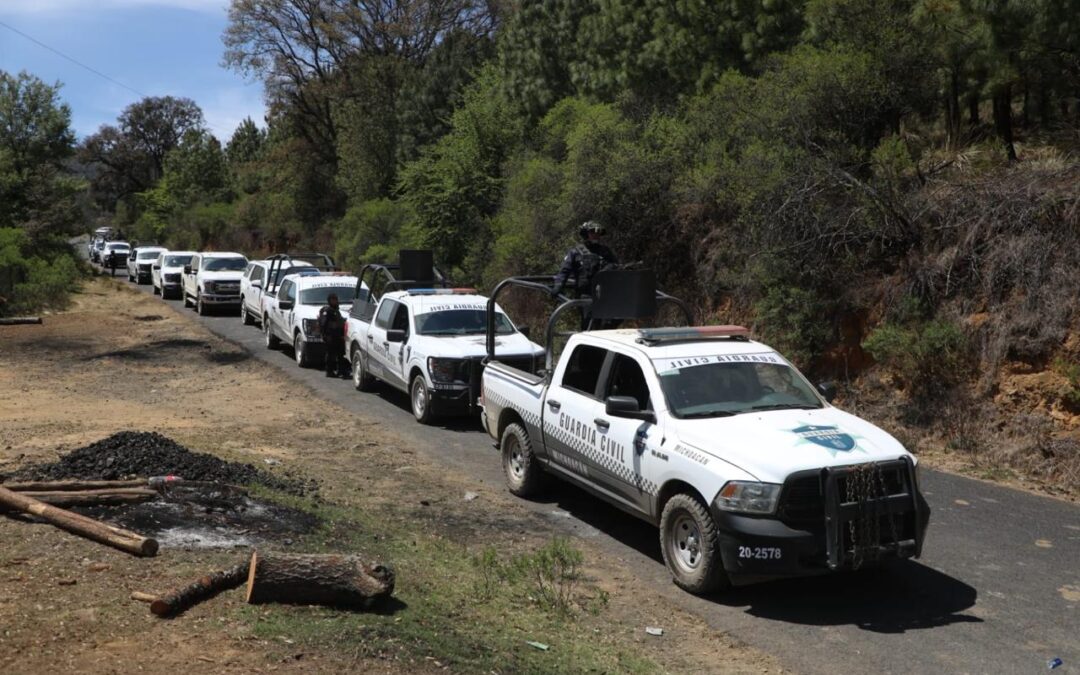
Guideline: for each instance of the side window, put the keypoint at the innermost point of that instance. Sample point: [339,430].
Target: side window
[257,273]
[583,369]
[283,292]
[382,319]
[194,263]
[627,379]
[290,293]
[247,270]
[401,318]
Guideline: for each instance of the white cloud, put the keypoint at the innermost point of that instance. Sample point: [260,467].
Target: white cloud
[225,108]
[13,7]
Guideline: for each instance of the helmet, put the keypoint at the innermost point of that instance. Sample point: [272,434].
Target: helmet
[590,226]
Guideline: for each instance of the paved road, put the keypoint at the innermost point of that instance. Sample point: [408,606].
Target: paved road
[997,591]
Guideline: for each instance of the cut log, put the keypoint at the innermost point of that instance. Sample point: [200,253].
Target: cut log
[143,597]
[116,537]
[20,320]
[344,581]
[66,485]
[106,497]
[179,599]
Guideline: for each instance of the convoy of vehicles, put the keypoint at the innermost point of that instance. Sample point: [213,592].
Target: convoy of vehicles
[212,279]
[141,261]
[746,469]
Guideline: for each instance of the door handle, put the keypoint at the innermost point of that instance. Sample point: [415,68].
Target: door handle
[602,423]
[554,405]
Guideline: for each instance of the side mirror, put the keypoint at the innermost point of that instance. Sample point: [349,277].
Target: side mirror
[395,335]
[157,267]
[525,330]
[827,390]
[187,269]
[257,283]
[285,304]
[627,407]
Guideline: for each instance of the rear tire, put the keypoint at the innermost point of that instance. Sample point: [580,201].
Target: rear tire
[690,543]
[420,400]
[362,379]
[524,475]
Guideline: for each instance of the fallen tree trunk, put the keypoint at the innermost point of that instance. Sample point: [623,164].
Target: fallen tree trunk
[72,485]
[344,581]
[94,497]
[20,321]
[81,525]
[179,599]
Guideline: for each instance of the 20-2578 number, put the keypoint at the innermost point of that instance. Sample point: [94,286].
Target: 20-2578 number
[760,552]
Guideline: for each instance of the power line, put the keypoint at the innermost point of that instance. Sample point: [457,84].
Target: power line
[73,60]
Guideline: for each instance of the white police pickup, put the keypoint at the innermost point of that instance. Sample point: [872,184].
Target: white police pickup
[141,261]
[292,314]
[212,280]
[429,343]
[745,467]
[167,270]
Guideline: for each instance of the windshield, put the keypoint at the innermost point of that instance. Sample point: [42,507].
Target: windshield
[224,264]
[707,388]
[317,296]
[148,255]
[117,247]
[176,260]
[461,322]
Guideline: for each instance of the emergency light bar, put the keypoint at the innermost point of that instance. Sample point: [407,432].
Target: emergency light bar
[692,333]
[442,291]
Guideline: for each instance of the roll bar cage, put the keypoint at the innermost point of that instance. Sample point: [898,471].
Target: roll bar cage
[544,285]
[278,269]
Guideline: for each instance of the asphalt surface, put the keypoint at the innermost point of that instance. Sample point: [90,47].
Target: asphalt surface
[996,591]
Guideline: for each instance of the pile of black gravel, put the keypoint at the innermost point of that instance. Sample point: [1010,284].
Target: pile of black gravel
[144,454]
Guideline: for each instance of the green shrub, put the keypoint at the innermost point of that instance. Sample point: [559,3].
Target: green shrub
[27,283]
[928,359]
[795,321]
[1070,371]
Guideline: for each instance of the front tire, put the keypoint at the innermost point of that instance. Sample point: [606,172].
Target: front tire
[362,379]
[524,475]
[420,399]
[245,315]
[300,352]
[200,308]
[184,296]
[690,542]
[271,340]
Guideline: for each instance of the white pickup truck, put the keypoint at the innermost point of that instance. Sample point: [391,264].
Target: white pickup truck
[167,270]
[261,279]
[429,343]
[718,440]
[292,315]
[141,262]
[212,280]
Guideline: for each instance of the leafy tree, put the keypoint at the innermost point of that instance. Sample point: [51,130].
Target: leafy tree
[246,144]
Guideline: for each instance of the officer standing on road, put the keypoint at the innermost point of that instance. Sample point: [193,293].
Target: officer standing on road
[332,328]
[584,261]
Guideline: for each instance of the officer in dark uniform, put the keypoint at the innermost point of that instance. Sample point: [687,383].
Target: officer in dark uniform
[581,265]
[332,328]
[584,261]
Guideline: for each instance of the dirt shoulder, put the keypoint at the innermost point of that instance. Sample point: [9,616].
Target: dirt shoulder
[119,360]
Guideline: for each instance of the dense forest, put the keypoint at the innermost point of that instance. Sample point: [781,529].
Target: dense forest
[888,182]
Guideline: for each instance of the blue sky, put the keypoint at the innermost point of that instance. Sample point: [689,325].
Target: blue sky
[157,47]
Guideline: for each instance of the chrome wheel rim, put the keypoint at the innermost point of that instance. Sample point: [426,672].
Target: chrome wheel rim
[266,332]
[357,374]
[298,348]
[684,542]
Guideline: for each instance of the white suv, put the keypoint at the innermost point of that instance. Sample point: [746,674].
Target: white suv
[213,279]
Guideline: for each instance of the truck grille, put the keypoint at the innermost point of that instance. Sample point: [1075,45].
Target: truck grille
[172,278]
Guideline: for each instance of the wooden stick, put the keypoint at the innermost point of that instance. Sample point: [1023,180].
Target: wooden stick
[20,320]
[58,485]
[143,597]
[333,580]
[179,599]
[94,497]
[120,538]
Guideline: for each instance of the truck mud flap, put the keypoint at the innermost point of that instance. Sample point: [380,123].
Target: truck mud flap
[872,511]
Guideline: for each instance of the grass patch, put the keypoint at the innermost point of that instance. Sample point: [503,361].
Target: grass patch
[471,610]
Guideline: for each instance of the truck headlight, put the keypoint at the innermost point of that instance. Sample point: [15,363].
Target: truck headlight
[443,370]
[311,327]
[748,497]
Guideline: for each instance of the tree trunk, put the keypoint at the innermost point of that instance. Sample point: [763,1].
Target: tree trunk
[973,109]
[1003,120]
[73,485]
[332,580]
[952,111]
[105,497]
[179,599]
[81,525]
[20,320]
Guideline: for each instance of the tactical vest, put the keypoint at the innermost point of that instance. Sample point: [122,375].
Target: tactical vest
[589,264]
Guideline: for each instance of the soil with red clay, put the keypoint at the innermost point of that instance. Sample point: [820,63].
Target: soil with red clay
[105,366]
